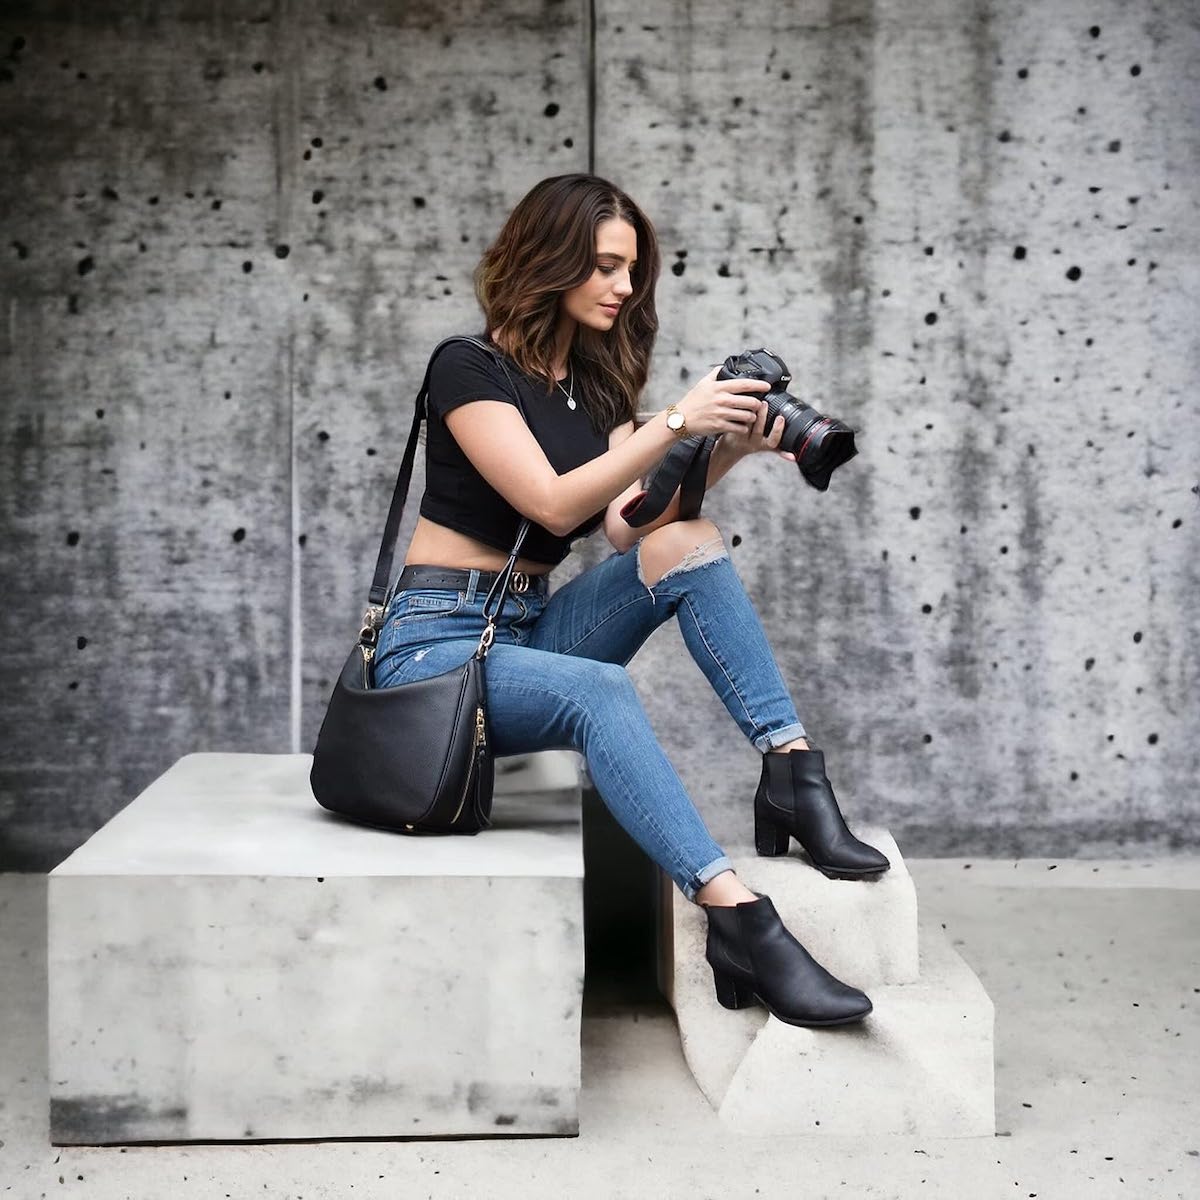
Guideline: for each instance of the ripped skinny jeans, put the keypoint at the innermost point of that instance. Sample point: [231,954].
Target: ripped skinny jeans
[556,678]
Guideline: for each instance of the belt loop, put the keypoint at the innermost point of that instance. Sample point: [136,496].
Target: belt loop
[472,584]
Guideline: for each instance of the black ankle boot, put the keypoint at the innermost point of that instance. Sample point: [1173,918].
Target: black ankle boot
[755,959]
[795,798]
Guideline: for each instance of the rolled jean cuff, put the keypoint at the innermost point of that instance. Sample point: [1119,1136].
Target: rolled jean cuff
[789,733]
[713,869]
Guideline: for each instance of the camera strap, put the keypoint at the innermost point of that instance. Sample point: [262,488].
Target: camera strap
[685,467]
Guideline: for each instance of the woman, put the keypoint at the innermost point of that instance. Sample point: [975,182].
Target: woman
[541,424]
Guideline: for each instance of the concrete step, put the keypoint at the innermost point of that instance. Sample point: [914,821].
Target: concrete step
[228,961]
[921,1063]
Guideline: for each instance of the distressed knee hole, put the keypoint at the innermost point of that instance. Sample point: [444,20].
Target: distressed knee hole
[708,552]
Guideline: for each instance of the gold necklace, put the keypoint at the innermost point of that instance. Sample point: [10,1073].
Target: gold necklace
[568,391]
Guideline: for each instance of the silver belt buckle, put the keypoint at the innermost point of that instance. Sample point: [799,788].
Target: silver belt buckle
[520,581]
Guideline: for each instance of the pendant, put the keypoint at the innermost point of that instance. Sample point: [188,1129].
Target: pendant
[570,402]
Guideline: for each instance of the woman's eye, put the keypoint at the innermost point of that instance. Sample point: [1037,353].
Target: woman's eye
[604,270]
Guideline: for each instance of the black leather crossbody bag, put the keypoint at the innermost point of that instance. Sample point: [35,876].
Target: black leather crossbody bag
[414,758]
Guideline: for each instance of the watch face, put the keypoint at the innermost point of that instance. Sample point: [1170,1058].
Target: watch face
[674,420]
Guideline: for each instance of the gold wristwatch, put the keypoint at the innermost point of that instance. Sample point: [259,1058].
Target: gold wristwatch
[675,421]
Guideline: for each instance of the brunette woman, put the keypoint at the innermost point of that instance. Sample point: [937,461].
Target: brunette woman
[540,422]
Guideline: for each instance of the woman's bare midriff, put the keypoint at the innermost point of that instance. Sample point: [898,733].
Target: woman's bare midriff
[434,545]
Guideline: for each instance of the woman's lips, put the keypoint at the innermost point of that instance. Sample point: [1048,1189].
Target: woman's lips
[611,309]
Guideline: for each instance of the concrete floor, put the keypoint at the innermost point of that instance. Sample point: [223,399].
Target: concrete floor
[1093,967]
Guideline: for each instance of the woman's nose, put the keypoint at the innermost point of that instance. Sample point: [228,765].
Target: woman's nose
[624,286]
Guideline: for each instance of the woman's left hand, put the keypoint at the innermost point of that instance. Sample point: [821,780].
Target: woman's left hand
[756,437]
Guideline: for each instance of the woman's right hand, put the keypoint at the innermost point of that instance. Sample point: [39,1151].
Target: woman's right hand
[722,406]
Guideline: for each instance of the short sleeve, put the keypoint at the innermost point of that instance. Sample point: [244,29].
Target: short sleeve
[462,372]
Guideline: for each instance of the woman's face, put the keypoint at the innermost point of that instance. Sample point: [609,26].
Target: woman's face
[595,302]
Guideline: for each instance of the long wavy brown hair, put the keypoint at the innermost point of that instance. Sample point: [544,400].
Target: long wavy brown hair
[547,247]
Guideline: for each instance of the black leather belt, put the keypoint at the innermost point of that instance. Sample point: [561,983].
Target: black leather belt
[460,578]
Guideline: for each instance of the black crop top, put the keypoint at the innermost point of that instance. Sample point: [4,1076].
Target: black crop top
[456,495]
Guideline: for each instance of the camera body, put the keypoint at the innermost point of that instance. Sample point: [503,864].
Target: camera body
[820,443]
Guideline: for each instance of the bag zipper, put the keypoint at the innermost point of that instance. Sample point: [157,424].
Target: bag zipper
[480,738]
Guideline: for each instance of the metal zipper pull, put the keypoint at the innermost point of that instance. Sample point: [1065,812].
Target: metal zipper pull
[480,728]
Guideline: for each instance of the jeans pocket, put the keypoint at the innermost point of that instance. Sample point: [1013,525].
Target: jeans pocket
[422,605]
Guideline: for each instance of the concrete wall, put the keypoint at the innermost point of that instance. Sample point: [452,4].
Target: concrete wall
[231,234]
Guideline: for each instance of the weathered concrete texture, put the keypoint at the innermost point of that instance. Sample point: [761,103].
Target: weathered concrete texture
[229,961]
[973,232]
[231,234]
[481,101]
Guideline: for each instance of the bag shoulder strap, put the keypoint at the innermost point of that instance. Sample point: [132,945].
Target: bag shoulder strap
[391,528]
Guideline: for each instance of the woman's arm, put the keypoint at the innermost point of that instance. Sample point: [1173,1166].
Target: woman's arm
[495,437]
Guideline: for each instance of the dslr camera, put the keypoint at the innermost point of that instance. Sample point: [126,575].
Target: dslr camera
[819,443]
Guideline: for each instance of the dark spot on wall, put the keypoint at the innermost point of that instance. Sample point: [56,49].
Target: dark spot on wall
[1153,739]
[152,200]
[1175,524]
[1114,145]
[257,67]
[99,414]
[73,686]
[1074,776]
[302,540]
[1095,31]
[915,512]
[506,1119]
[380,83]
[1088,663]
[551,110]
[1135,70]
[928,250]
[80,642]
[927,738]
[21,249]
[216,206]
[568,142]
[1073,273]
[317,142]
[418,201]
[927,608]
[73,538]
[962,529]
[678,268]
[1018,252]
[239,534]
[370,451]
[785,75]
[282,251]
[723,270]
[736,540]
[1004,136]
[1023,73]
[1137,637]
[247,267]
[318,196]
[228,395]
[86,266]
[73,304]
[322,435]
[109,193]
[931,318]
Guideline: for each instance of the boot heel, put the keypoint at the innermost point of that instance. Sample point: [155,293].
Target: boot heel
[731,993]
[769,839]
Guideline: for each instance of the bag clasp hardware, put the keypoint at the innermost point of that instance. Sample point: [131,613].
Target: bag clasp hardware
[520,581]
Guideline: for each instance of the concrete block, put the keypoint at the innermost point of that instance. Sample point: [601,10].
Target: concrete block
[920,1063]
[228,961]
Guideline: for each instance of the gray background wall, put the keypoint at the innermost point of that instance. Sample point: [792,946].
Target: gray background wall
[231,233]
